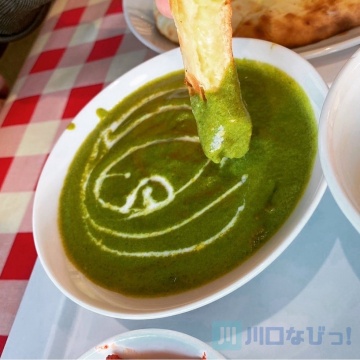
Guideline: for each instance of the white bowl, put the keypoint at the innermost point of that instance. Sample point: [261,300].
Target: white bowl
[46,232]
[339,139]
[152,344]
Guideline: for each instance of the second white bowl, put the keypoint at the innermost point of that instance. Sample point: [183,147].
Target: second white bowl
[339,140]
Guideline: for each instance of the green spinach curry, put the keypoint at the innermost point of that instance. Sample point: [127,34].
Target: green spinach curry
[144,213]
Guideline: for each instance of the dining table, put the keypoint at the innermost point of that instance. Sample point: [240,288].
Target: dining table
[305,304]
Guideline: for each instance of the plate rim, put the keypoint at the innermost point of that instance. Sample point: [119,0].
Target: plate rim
[159,333]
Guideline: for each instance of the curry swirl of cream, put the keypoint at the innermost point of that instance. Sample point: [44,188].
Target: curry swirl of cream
[134,197]
[143,211]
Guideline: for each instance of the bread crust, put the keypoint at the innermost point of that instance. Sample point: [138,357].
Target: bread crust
[291,23]
[295,23]
[206,53]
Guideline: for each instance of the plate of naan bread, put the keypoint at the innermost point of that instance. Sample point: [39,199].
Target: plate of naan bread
[312,28]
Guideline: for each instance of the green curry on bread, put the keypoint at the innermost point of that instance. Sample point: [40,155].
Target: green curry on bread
[145,213]
[205,37]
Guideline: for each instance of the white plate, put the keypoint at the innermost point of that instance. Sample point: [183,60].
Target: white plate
[153,344]
[140,19]
[45,213]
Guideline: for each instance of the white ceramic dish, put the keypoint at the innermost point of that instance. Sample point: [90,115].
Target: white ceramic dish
[153,344]
[140,19]
[339,140]
[46,233]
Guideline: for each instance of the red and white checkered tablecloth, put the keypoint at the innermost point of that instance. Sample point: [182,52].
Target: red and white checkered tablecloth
[82,47]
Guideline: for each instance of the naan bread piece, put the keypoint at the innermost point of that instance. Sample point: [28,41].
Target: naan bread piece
[205,36]
[291,23]
[294,23]
[165,25]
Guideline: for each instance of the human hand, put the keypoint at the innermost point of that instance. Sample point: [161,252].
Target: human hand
[164,7]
